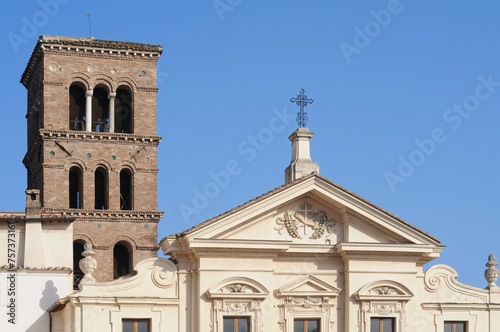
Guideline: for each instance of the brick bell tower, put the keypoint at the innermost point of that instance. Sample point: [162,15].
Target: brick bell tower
[92,145]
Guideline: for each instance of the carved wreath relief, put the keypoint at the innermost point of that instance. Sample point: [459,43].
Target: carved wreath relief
[237,288]
[303,220]
[384,291]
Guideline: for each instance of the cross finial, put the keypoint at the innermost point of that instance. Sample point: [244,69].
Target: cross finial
[302,101]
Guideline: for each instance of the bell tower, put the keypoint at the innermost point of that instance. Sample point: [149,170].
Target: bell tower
[92,145]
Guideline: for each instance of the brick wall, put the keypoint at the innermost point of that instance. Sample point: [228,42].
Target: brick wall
[53,148]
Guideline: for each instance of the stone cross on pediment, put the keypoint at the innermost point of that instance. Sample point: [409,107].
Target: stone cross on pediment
[305,215]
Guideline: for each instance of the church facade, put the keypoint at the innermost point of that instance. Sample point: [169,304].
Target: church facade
[308,256]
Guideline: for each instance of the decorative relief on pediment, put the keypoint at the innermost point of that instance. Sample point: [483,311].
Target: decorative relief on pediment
[385,291]
[305,221]
[307,300]
[238,288]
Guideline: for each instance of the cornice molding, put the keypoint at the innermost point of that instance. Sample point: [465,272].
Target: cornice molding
[53,83]
[147,248]
[109,215]
[89,47]
[147,170]
[36,269]
[146,89]
[52,166]
[99,53]
[90,137]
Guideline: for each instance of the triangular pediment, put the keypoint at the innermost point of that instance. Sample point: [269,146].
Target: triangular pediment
[309,211]
[307,285]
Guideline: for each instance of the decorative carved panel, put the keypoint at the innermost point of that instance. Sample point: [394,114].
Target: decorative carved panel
[385,298]
[234,297]
[238,288]
[318,304]
[305,221]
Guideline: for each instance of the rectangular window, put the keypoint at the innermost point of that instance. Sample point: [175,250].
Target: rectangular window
[306,325]
[236,324]
[382,324]
[136,325]
[455,327]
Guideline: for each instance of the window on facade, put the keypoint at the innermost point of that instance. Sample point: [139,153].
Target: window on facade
[125,189]
[76,108]
[77,256]
[75,188]
[455,327]
[100,110]
[101,189]
[306,325]
[122,260]
[123,111]
[236,324]
[136,325]
[382,324]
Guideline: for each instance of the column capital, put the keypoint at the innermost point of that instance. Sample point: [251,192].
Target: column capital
[89,93]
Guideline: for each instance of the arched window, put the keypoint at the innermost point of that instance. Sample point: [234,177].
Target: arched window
[101,189]
[123,111]
[75,188]
[125,189]
[77,256]
[100,110]
[122,259]
[76,108]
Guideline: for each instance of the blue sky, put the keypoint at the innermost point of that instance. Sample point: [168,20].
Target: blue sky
[406,103]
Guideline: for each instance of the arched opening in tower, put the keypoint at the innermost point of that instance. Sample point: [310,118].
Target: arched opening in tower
[123,111]
[75,188]
[100,110]
[101,189]
[122,259]
[76,108]
[125,189]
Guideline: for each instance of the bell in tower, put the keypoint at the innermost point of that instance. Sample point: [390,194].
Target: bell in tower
[92,145]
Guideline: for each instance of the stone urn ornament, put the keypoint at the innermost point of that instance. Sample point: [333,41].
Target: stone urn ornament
[88,264]
[492,273]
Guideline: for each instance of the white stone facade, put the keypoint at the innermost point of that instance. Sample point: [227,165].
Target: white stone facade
[306,250]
